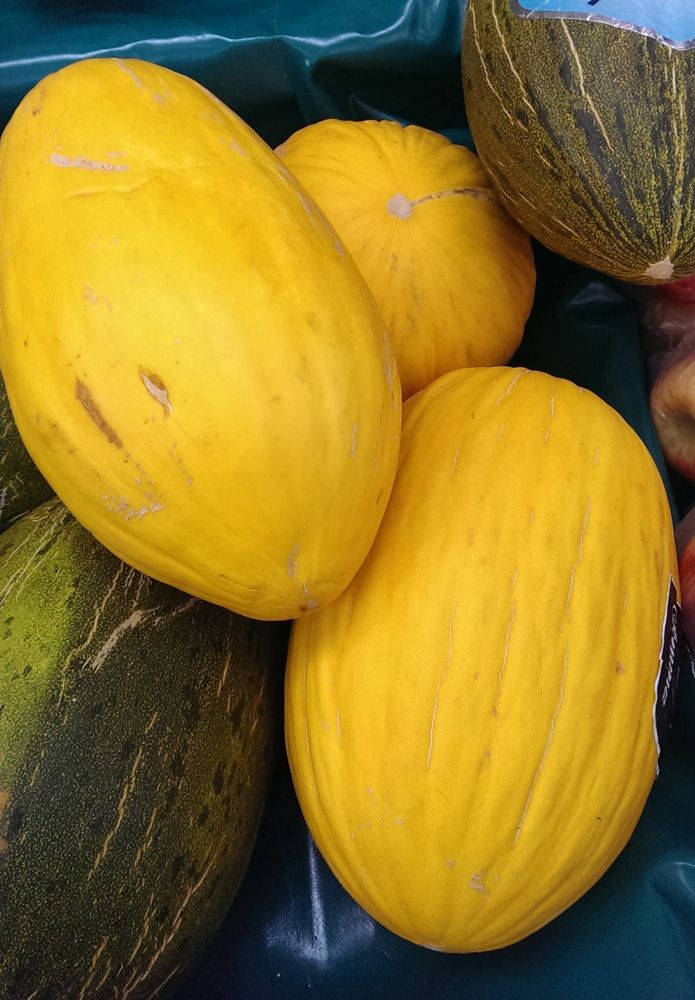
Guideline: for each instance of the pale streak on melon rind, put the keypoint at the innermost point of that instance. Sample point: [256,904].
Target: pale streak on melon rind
[353,442]
[164,982]
[524,95]
[223,675]
[292,561]
[505,652]
[544,158]
[585,94]
[35,773]
[92,632]
[551,733]
[482,62]
[133,983]
[450,653]
[582,536]
[147,842]
[28,566]
[519,374]
[534,781]
[513,199]
[93,968]
[149,913]
[128,787]
[565,226]
[174,612]
[131,622]
[552,415]
[129,71]
[107,972]
[82,163]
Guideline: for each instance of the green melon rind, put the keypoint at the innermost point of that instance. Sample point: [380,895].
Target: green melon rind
[136,738]
[586,131]
[22,487]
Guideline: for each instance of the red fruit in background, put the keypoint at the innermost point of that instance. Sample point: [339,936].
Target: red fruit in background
[672,404]
[685,547]
[684,290]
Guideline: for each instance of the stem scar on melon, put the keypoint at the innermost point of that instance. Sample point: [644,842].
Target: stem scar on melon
[661,271]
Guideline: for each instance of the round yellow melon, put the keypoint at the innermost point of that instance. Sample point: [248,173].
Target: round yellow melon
[194,362]
[472,726]
[452,273]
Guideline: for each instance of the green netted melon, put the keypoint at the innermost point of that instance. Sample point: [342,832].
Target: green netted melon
[137,727]
[22,487]
[584,116]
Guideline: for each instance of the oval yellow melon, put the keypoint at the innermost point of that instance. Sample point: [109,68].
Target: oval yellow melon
[470,725]
[452,272]
[194,362]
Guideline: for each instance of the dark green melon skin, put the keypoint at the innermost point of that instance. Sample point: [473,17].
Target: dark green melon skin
[137,730]
[588,132]
[22,487]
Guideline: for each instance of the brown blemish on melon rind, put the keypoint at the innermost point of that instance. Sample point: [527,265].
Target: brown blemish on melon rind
[84,396]
[482,193]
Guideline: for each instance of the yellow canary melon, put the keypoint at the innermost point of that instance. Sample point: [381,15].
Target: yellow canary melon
[452,273]
[193,361]
[472,725]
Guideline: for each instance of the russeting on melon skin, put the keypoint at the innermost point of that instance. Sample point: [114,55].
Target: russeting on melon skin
[22,487]
[193,361]
[471,725]
[137,732]
[584,116]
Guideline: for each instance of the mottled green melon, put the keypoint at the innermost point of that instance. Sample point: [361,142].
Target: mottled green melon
[22,487]
[587,128]
[136,734]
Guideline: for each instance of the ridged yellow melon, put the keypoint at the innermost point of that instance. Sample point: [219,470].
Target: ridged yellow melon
[452,272]
[193,361]
[471,726]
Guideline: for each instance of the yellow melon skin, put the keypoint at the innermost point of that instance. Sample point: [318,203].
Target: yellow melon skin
[453,274]
[193,360]
[470,725]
